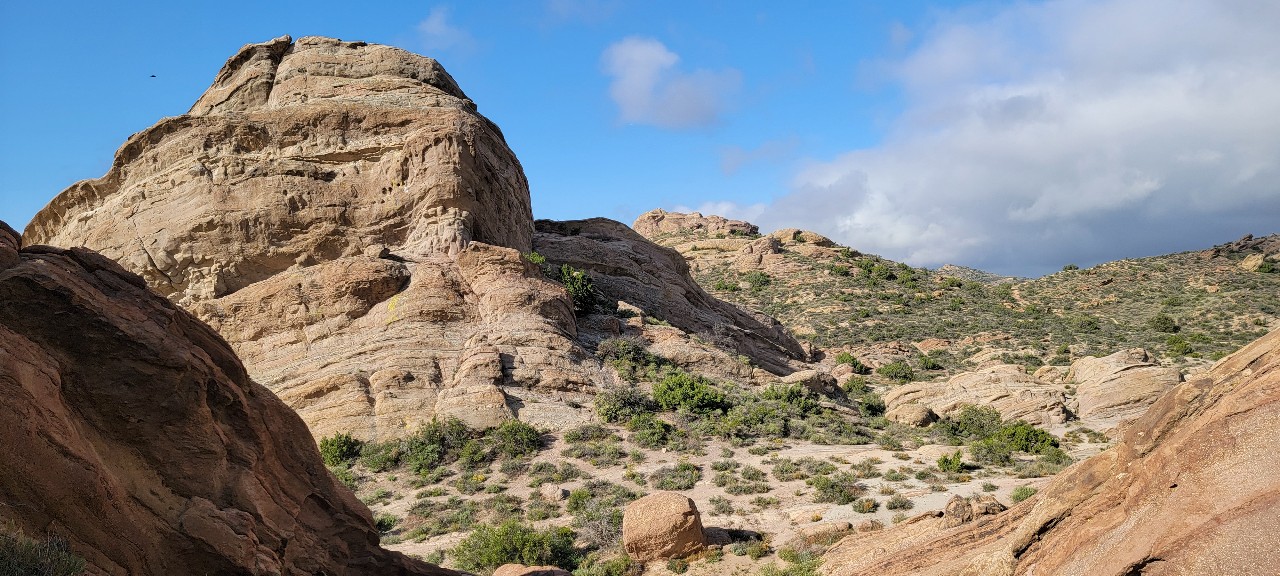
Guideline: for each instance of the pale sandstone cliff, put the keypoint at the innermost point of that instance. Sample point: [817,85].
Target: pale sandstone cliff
[133,432]
[344,217]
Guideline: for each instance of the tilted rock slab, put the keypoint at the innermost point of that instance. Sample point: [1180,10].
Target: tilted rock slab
[1005,387]
[344,217]
[1116,388]
[1190,488]
[133,432]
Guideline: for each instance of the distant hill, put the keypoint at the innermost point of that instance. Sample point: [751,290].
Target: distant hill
[1187,308]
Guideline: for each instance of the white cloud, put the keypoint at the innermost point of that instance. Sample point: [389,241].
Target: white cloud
[1069,131]
[437,34]
[648,89]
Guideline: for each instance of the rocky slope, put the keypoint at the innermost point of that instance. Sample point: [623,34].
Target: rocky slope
[133,432]
[1188,489]
[344,217]
[842,300]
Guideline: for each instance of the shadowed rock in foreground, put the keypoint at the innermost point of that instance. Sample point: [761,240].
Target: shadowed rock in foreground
[1189,489]
[132,431]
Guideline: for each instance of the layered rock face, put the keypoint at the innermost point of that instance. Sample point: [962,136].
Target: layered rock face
[1189,489]
[1119,387]
[344,217]
[132,431]
[1005,387]
[654,280]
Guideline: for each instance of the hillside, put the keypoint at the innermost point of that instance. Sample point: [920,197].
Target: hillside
[1188,308]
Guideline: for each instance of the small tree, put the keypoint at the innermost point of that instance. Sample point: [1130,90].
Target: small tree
[581,291]
[339,449]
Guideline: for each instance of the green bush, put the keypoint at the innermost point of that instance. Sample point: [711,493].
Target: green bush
[622,404]
[22,555]
[619,565]
[950,463]
[853,362]
[899,371]
[651,432]
[536,258]
[1021,493]
[682,476]
[840,488]
[1163,323]
[684,391]
[992,451]
[899,502]
[339,449]
[581,291]
[489,547]
[757,279]
[1024,437]
[930,363]
[514,439]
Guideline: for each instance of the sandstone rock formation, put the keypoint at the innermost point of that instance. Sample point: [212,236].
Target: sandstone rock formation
[1005,387]
[661,525]
[1119,387]
[628,268]
[1189,489]
[133,432]
[344,217]
[655,223]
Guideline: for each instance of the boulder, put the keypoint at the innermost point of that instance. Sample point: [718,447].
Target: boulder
[1116,388]
[133,433]
[661,525]
[917,415]
[655,223]
[816,381]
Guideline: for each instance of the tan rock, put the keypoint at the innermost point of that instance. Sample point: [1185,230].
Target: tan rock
[659,222]
[1252,262]
[1169,498]
[917,415]
[522,570]
[552,492]
[133,433]
[1005,387]
[816,381]
[661,525]
[1119,387]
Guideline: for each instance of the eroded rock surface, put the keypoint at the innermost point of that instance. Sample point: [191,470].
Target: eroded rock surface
[133,432]
[1005,387]
[1188,489]
[662,525]
[1116,388]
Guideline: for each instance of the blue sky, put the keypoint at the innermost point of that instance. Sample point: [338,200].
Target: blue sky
[1013,137]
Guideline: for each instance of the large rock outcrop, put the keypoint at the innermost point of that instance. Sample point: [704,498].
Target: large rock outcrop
[1189,489]
[344,217]
[628,268]
[1005,387]
[1119,387]
[133,432]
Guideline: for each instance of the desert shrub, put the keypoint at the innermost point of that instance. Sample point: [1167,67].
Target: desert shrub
[1024,437]
[688,392]
[1069,267]
[22,555]
[991,451]
[1021,493]
[345,476]
[385,522]
[601,454]
[841,488]
[536,258]
[725,285]
[796,396]
[757,279]
[443,516]
[436,442]
[1178,346]
[899,371]
[899,502]
[682,476]
[594,565]
[1056,456]
[649,431]
[930,363]
[339,449]
[546,472]
[630,356]
[972,423]
[1163,323]
[514,439]
[677,565]
[581,290]
[950,463]
[622,404]
[865,505]
[489,547]
[721,506]
[588,433]
[597,511]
